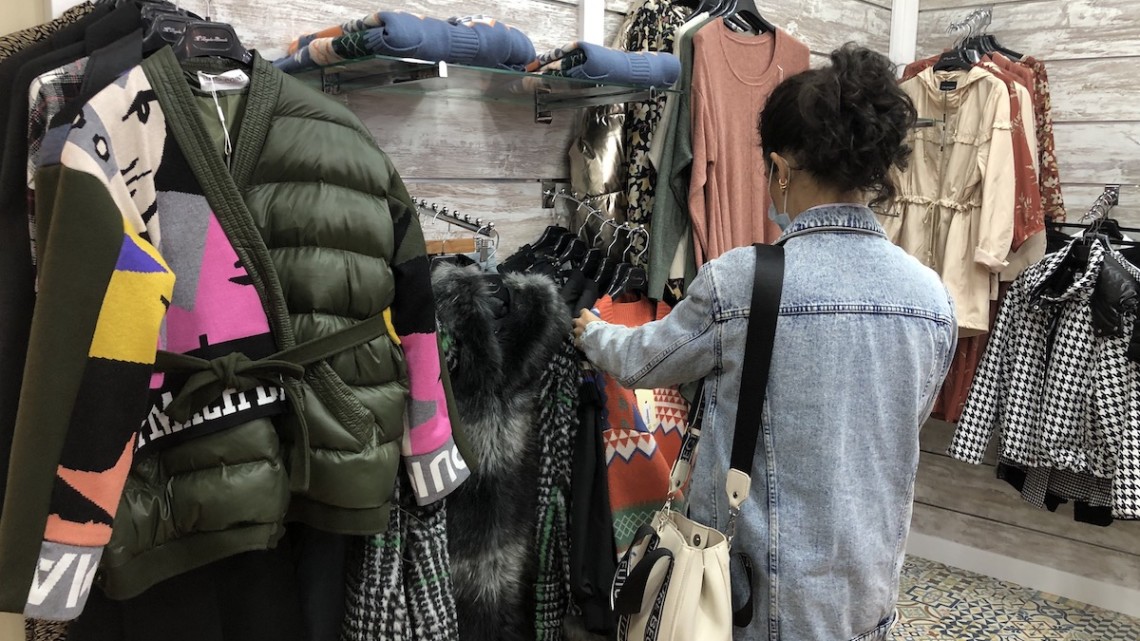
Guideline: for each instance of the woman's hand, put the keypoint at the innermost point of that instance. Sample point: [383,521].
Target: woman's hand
[584,318]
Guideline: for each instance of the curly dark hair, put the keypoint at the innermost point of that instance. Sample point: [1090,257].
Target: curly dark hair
[845,123]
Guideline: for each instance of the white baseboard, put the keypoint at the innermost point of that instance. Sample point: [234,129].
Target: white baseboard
[1030,575]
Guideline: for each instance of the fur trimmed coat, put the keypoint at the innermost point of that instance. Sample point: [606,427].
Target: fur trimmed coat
[500,333]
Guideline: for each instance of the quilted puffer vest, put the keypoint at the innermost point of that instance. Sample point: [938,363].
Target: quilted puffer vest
[309,204]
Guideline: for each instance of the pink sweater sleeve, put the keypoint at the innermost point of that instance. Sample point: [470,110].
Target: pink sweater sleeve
[431,457]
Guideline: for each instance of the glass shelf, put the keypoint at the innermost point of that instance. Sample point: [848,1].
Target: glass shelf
[384,74]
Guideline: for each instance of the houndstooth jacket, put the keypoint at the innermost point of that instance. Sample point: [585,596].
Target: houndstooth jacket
[1056,382]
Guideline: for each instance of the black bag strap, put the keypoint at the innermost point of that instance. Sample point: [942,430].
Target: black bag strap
[767,291]
[767,288]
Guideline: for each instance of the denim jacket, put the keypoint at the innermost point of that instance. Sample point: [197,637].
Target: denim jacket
[864,338]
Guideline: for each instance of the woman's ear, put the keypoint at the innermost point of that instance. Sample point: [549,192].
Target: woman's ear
[780,167]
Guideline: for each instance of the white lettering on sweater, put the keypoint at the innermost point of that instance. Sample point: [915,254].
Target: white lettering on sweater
[158,425]
[448,458]
[56,570]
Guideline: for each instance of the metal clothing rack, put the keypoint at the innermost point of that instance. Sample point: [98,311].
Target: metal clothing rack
[632,230]
[1108,199]
[478,226]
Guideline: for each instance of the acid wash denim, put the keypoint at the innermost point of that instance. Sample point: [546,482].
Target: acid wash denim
[864,338]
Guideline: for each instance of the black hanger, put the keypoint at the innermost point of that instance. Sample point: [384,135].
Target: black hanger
[549,238]
[563,246]
[974,43]
[574,253]
[545,268]
[1110,229]
[955,60]
[215,39]
[620,273]
[499,296]
[591,262]
[744,14]
[713,7]
[164,28]
[992,45]
[629,279]
[1106,231]
[150,11]
[605,275]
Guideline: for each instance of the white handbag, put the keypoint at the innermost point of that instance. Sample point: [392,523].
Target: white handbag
[673,583]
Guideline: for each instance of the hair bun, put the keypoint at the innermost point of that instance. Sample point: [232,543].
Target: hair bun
[856,69]
[846,123]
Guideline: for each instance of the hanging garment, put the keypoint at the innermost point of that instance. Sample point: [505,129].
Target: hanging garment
[1048,488]
[18,40]
[593,557]
[1059,380]
[1028,215]
[17,289]
[1031,74]
[399,582]
[1028,218]
[56,97]
[643,430]
[250,596]
[557,425]
[733,75]
[954,210]
[596,169]
[497,352]
[956,387]
[137,188]
[671,243]
[1051,197]
[654,28]
[607,138]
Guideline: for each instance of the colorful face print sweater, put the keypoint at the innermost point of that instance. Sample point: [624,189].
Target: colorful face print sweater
[252,231]
[643,430]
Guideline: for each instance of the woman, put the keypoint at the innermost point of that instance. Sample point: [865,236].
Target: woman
[864,338]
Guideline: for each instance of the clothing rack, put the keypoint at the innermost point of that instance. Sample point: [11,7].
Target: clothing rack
[1108,199]
[977,22]
[631,230]
[478,226]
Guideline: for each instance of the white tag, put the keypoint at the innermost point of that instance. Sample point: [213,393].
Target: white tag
[228,81]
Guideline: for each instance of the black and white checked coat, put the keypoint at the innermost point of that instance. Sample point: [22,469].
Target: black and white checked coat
[1058,392]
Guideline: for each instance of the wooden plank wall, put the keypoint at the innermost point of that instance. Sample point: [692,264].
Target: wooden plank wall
[1091,48]
[969,505]
[486,158]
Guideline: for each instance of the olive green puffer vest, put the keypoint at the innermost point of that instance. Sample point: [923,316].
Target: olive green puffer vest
[309,203]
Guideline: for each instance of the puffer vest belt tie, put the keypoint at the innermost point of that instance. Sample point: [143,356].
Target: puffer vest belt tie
[211,378]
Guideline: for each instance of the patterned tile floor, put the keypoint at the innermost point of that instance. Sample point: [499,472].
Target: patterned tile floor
[940,603]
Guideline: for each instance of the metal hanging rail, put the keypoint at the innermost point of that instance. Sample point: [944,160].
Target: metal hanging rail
[1104,203]
[977,22]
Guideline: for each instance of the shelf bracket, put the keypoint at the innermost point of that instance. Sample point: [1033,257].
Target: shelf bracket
[547,102]
[331,78]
